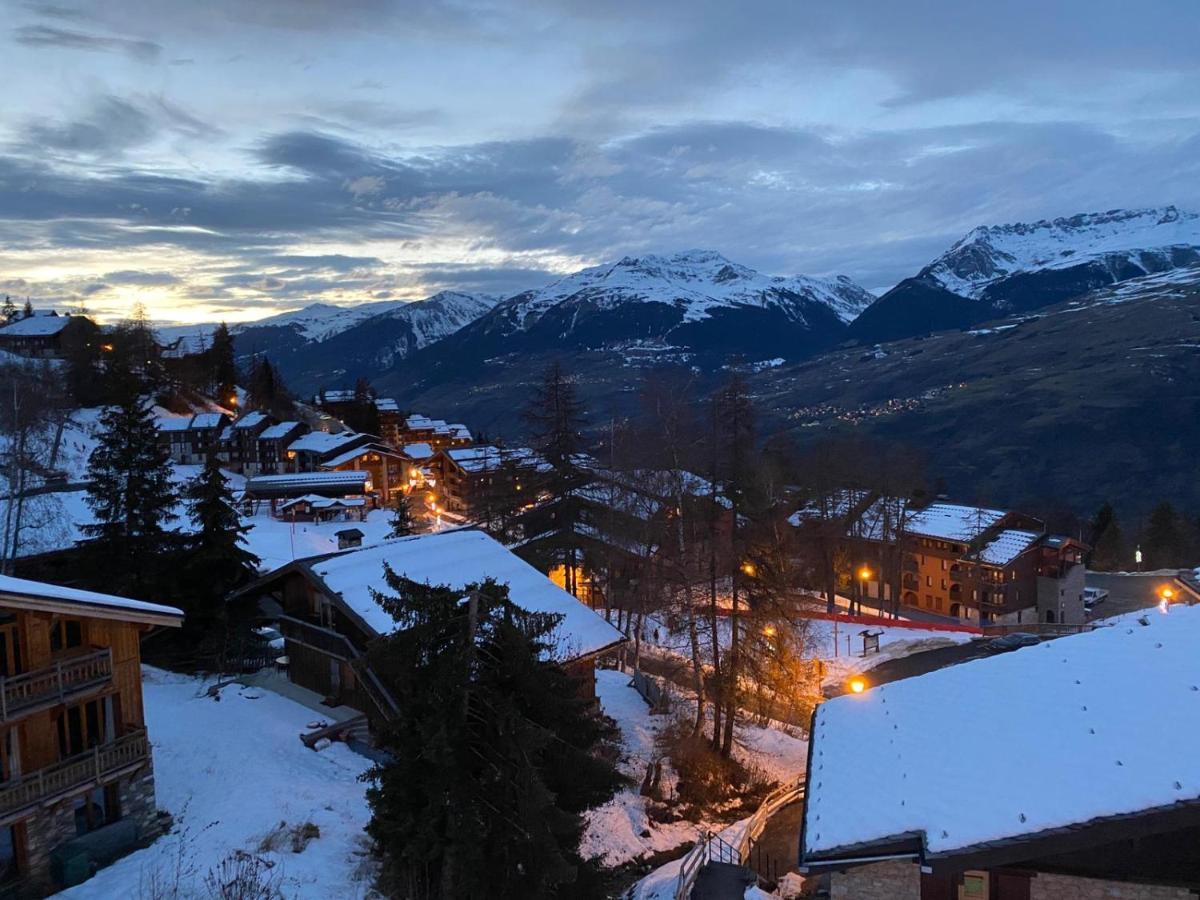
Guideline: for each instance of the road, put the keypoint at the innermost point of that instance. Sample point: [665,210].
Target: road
[1127,593]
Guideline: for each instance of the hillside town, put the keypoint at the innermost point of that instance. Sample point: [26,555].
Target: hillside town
[509,450]
[756,643]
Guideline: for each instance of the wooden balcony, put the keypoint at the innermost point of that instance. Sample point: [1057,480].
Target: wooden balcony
[67,679]
[74,775]
[326,640]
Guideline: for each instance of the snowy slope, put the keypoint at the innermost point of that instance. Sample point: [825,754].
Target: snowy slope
[1122,239]
[696,281]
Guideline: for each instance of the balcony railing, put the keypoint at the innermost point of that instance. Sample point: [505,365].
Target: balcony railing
[90,769]
[328,641]
[30,691]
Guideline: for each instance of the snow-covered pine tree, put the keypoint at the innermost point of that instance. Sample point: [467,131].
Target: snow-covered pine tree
[217,556]
[27,313]
[130,490]
[8,312]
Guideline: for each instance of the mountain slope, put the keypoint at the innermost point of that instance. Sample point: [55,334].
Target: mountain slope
[1016,268]
[696,307]
[1084,401]
[322,345]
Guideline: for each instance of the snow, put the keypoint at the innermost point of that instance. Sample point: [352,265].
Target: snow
[479,459]
[458,558]
[277,542]
[21,587]
[698,281]
[1136,237]
[36,326]
[1007,546]
[1060,696]
[277,431]
[952,522]
[322,441]
[230,772]
[354,453]
[417,451]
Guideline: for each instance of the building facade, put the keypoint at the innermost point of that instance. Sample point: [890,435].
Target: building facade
[76,775]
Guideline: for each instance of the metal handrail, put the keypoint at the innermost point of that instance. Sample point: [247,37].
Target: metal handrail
[29,690]
[336,644]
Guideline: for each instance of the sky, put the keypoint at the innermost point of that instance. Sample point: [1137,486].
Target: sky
[232,159]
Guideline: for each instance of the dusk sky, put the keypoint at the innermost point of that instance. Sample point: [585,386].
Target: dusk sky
[231,158]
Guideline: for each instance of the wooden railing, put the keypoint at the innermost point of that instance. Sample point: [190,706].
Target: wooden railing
[333,643]
[90,768]
[24,693]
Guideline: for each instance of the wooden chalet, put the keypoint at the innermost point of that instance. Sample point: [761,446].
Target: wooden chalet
[47,335]
[328,615]
[439,434]
[76,777]
[464,475]
[1061,771]
[190,439]
[311,450]
[389,469]
[239,442]
[271,447]
[282,491]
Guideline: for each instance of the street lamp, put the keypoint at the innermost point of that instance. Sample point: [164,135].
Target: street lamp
[748,568]
[858,684]
[864,575]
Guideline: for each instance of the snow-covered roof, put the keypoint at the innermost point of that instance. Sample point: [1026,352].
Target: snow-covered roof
[335,396]
[278,430]
[418,421]
[459,431]
[208,420]
[952,756]
[1007,546]
[36,326]
[323,441]
[354,453]
[23,591]
[479,459]
[417,451]
[459,558]
[250,420]
[173,423]
[302,480]
[386,404]
[316,501]
[952,522]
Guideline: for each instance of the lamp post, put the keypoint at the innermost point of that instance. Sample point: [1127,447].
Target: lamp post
[864,575]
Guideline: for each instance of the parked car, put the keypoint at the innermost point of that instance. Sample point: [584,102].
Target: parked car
[1092,596]
[1013,641]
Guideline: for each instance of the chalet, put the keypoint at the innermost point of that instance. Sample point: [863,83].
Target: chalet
[466,474]
[315,508]
[47,335]
[391,420]
[1034,775]
[76,777]
[282,492]
[993,566]
[328,615]
[309,451]
[190,439]
[271,448]
[389,470]
[349,538]
[438,433]
[239,442]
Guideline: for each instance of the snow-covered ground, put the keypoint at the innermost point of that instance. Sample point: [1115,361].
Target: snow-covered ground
[277,542]
[230,772]
[620,830]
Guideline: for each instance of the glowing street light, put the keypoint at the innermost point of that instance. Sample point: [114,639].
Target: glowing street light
[769,631]
[864,573]
[858,684]
[1166,593]
[748,568]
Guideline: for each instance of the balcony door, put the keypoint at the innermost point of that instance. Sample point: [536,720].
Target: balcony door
[86,725]
[10,646]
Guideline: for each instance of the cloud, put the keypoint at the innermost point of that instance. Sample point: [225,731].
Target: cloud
[111,125]
[47,36]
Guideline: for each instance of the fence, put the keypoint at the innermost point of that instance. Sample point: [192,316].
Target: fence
[652,692]
[32,690]
[712,848]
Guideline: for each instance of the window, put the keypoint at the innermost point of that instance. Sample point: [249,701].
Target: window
[928,581]
[65,634]
[943,584]
[974,886]
[943,565]
[96,809]
[10,648]
[84,726]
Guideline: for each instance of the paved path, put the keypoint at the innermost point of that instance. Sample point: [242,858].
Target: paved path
[722,881]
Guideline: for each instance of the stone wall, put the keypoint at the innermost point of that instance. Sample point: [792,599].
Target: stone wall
[896,879]
[1063,887]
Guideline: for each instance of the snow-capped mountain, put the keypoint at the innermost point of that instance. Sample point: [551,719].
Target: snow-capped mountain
[696,283]
[1014,268]
[695,308]
[323,345]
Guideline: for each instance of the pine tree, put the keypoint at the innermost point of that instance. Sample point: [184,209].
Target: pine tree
[217,557]
[1107,544]
[402,520]
[130,490]
[222,369]
[1166,539]
[266,390]
[27,313]
[492,754]
[555,421]
[9,311]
